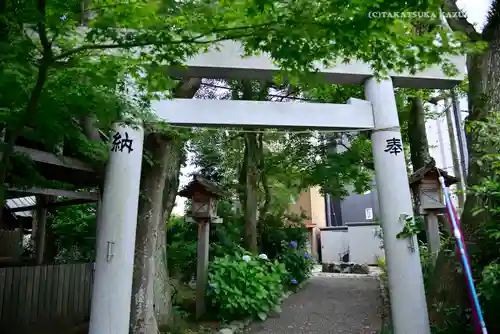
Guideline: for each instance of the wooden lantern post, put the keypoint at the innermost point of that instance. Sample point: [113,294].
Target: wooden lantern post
[203,194]
[428,195]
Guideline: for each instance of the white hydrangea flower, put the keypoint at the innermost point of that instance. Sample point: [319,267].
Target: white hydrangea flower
[246,258]
[263,257]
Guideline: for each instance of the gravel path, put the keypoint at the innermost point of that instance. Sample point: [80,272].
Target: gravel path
[328,305]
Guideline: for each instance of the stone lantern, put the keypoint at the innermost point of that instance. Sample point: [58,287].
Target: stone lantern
[203,194]
[429,198]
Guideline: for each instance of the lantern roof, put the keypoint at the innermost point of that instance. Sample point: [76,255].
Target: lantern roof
[430,170]
[200,184]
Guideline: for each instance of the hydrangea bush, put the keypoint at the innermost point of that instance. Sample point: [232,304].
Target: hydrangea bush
[243,285]
[297,262]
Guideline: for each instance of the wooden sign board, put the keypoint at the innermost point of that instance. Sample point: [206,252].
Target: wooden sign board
[430,195]
[204,207]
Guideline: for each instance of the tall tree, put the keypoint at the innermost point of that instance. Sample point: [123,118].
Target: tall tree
[483,70]
[419,146]
[151,304]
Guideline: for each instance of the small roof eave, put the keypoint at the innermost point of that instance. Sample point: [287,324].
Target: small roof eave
[420,173]
[207,185]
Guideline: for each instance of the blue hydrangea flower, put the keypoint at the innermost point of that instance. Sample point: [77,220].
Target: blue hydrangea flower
[246,258]
[294,281]
[293,244]
[263,257]
[307,256]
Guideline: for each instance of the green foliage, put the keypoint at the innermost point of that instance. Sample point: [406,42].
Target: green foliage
[74,229]
[181,248]
[427,271]
[225,238]
[426,261]
[490,283]
[297,262]
[335,172]
[383,266]
[485,258]
[135,40]
[276,229]
[411,227]
[458,321]
[243,285]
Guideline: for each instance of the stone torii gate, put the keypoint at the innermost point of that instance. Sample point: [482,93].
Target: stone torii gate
[111,295]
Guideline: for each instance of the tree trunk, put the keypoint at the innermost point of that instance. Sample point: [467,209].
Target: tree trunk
[484,85]
[151,295]
[251,172]
[41,231]
[419,146]
[161,287]
[252,179]
[263,178]
[149,229]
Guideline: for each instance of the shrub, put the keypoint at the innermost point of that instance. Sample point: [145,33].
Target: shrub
[427,263]
[73,229]
[181,248]
[297,263]
[182,242]
[489,290]
[275,229]
[383,266]
[243,285]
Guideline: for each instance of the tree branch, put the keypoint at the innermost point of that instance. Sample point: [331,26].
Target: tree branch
[436,99]
[458,22]
[187,88]
[42,32]
[277,96]
[17,127]
[200,39]
[344,145]
[236,136]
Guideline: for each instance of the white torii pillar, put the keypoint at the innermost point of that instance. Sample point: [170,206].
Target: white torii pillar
[406,286]
[111,294]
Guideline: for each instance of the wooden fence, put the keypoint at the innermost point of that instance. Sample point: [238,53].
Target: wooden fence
[42,294]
